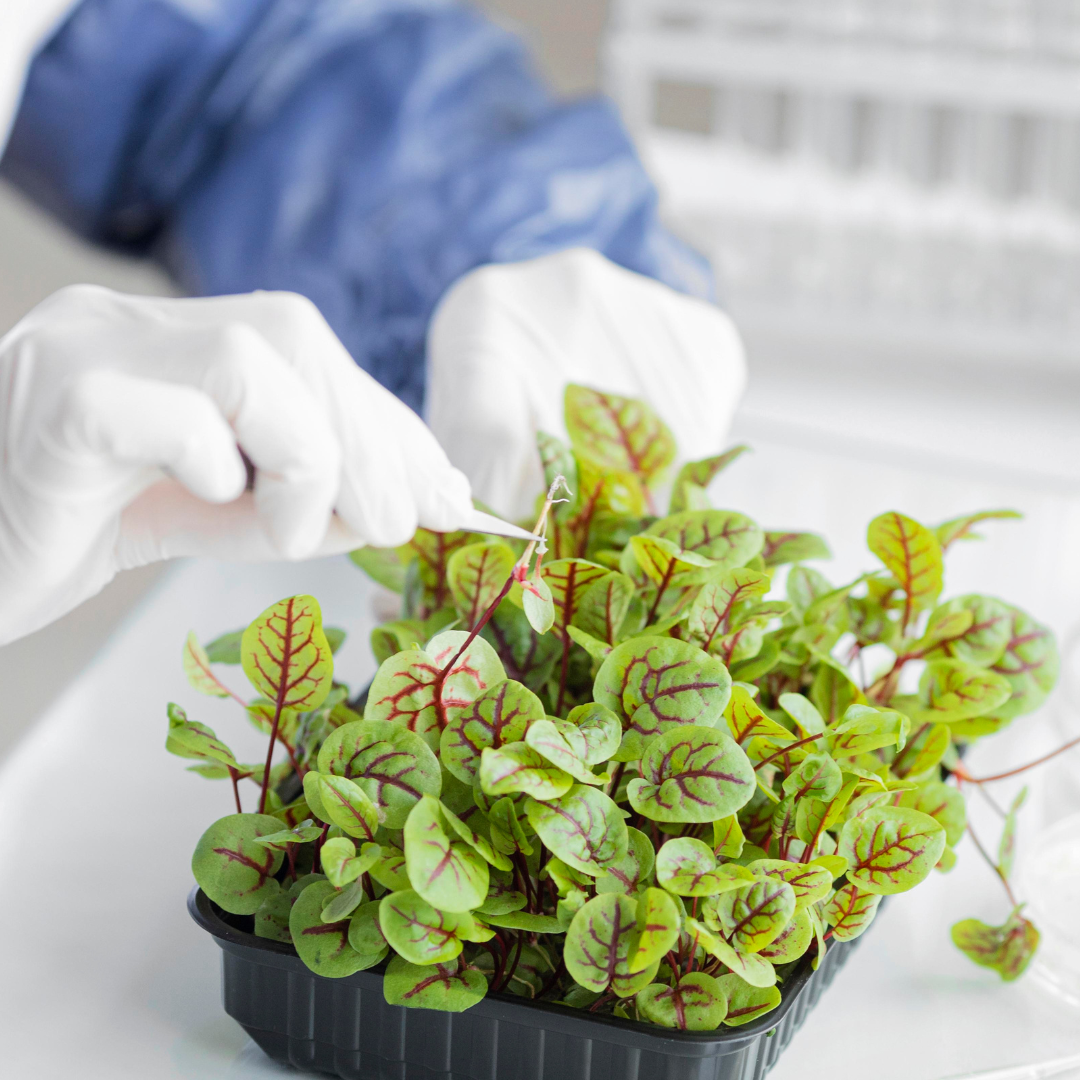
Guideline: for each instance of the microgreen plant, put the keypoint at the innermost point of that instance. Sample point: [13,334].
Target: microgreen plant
[648,767]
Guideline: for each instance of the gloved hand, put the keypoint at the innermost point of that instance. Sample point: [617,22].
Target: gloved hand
[506,339]
[119,423]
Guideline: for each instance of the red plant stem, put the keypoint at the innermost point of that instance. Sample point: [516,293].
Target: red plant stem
[605,997]
[514,963]
[270,751]
[669,573]
[993,865]
[290,850]
[500,961]
[552,979]
[967,778]
[235,789]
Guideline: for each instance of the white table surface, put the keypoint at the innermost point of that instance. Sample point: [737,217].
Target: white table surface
[105,976]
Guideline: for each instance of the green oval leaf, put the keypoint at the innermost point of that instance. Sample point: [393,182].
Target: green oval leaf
[444,872]
[1030,663]
[603,607]
[346,805]
[600,729]
[523,920]
[629,873]
[231,868]
[809,881]
[584,828]
[695,1003]
[850,912]
[188,739]
[364,933]
[890,849]
[687,866]
[389,870]
[792,942]
[657,929]
[476,574]
[745,1002]
[752,916]
[324,947]
[951,690]
[538,604]
[599,943]
[912,554]
[506,770]
[712,613]
[342,865]
[421,933]
[725,537]
[452,987]
[980,639]
[547,740]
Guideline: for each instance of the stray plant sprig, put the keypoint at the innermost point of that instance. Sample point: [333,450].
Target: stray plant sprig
[639,778]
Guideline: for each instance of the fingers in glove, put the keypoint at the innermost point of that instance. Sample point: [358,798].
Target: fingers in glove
[144,422]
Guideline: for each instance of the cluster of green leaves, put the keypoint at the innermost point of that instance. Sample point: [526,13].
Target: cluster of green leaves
[644,780]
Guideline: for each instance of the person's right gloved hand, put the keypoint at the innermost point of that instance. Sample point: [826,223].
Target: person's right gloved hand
[120,422]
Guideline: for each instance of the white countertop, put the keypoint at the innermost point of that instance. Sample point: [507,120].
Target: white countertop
[107,977]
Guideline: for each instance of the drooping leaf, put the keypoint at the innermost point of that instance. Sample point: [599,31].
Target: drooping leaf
[754,914]
[850,912]
[286,656]
[692,773]
[746,1002]
[476,574]
[451,987]
[726,538]
[324,947]
[599,943]
[687,867]
[961,528]
[234,871]
[891,849]
[793,547]
[1005,949]
[444,872]
[657,684]
[406,688]
[418,931]
[912,554]
[538,604]
[1030,663]
[695,1003]
[700,474]
[197,669]
[393,766]
[584,828]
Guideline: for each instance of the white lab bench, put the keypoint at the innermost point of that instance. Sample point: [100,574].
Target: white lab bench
[105,977]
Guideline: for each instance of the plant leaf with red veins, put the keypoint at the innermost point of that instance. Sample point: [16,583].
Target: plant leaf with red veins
[393,766]
[188,739]
[557,460]
[950,690]
[746,721]
[516,767]
[432,552]
[687,867]
[548,741]
[404,688]
[234,871]
[710,614]
[286,656]
[981,642]
[750,967]
[452,987]
[753,915]
[662,562]
[599,943]
[629,873]
[500,715]
[850,912]
[584,828]
[347,805]
[476,574]
[447,873]
[912,554]
[700,474]
[325,947]
[792,547]
[746,1002]
[657,931]
[695,1003]
[810,882]
[941,801]
[891,849]
[960,528]
[1030,663]
[1006,949]
[792,942]
[692,773]
[725,537]
[569,580]
[657,684]
[420,932]
[618,433]
[197,669]
[603,606]
[600,731]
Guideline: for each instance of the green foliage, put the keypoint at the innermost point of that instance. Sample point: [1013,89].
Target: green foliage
[643,774]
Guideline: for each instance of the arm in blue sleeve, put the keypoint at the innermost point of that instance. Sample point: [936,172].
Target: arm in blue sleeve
[366,153]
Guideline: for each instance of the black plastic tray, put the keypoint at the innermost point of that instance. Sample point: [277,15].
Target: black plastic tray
[346,1028]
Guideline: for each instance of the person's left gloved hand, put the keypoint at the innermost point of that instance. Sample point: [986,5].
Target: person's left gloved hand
[506,339]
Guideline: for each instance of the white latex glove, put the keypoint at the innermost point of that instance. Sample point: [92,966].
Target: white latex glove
[507,338]
[119,423]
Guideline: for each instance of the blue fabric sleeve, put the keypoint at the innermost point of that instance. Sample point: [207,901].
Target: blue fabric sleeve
[366,153]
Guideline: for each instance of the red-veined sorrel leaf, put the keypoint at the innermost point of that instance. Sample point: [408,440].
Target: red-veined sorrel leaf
[754,915]
[792,942]
[324,947]
[584,828]
[890,849]
[695,1003]
[961,528]
[507,834]
[746,721]
[1006,949]
[793,547]
[340,863]
[700,474]
[1030,663]
[687,867]
[599,943]
[234,871]
[951,690]
[538,604]
[817,776]
[745,1002]
[188,739]
[524,920]
[383,565]
[600,730]
[364,933]
[943,803]
[389,871]
[728,838]
[569,581]
[394,637]
[452,987]
[657,684]
[445,872]
[481,845]
[803,712]
[432,552]
[809,881]
[502,896]
[603,606]
[341,904]
[710,614]
[225,648]
[345,804]
[692,773]
[393,766]
[618,433]
[404,688]
[850,912]
[923,751]
[500,715]
[629,873]
[507,770]
[656,931]
[748,966]
[663,563]
[422,933]
[197,669]
[865,728]
[833,691]
[724,537]
[476,574]
[597,649]
[912,554]
[981,641]
[547,740]
[299,834]
[286,656]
